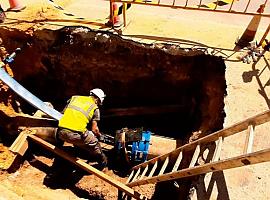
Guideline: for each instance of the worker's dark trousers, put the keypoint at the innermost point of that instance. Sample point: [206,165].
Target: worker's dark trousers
[86,141]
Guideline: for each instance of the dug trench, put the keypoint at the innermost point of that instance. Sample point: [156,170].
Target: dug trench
[166,89]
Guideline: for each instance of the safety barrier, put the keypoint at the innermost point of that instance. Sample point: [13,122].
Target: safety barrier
[244,7]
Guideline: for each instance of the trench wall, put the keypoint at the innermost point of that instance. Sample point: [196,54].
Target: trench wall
[54,65]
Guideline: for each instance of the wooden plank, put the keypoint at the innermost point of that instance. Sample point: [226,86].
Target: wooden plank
[195,156]
[122,187]
[178,161]
[165,164]
[249,139]
[238,161]
[153,169]
[216,155]
[144,172]
[20,145]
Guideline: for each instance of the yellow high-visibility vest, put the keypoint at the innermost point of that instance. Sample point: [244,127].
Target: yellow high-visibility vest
[78,113]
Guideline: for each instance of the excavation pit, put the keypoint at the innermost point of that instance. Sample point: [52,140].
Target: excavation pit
[168,90]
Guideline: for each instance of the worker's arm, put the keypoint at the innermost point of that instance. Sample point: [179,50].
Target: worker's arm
[94,124]
[95,129]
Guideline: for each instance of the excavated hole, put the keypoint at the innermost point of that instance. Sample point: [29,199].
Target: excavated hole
[168,90]
[165,89]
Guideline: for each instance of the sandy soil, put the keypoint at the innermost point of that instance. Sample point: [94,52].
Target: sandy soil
[247,88]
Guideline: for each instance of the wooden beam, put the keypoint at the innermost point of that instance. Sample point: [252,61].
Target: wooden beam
[238,161]
[20,145]
[122,187]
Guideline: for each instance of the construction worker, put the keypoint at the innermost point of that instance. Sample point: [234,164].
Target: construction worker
[81,112]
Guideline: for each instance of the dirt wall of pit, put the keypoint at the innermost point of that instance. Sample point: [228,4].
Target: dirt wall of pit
[54,65]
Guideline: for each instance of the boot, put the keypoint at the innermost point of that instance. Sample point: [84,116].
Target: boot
[102,162]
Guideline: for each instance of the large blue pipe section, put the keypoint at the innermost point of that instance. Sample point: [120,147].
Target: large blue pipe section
[28,96]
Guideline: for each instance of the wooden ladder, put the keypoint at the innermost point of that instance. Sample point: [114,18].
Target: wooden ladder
[183,162]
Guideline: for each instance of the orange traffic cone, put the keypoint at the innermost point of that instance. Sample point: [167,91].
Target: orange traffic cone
[16,5]
[115,19]
[250,32]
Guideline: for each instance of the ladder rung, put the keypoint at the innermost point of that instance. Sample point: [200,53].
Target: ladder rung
[130,176]
[178,161]
[144,172]
[165,164]
[216,155]
[136,175]
[195,156]
[249,139]
[153,169]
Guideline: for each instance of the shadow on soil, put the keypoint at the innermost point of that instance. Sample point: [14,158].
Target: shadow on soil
[248,75]
[202,185]
[62,174]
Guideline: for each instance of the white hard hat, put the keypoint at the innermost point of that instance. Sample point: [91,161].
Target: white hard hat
[98,93]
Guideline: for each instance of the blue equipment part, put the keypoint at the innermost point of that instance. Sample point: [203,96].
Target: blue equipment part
[140,148]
